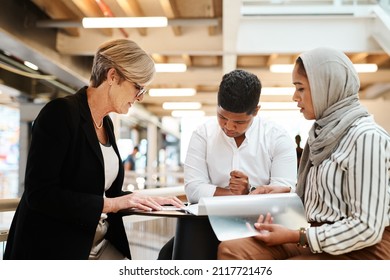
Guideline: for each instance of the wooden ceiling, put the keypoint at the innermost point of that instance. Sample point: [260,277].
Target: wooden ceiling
[203,34]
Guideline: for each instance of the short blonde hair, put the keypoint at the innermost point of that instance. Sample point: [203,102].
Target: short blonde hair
[127,58]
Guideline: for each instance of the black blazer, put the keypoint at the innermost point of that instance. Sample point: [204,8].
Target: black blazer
[64,186]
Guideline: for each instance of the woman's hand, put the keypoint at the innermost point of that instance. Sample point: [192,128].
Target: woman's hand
[274,234]
[134,200]
[171,200]
[270,189]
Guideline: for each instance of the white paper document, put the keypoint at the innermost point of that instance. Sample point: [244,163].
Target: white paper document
[233,217]
[194,209]
[197,209]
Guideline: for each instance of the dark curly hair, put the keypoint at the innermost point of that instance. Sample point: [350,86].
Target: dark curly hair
[239,92]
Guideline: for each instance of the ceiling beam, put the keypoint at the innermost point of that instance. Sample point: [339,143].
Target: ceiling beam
[132,8]
[89,8]
[171,11]
[230,26]
[159,40]
[59,10]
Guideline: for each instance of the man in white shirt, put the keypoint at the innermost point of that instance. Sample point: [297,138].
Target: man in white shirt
[238,153]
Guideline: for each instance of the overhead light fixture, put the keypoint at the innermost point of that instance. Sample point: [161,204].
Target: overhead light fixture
[31,65]
[171,67]
[281,68]
[129,22]
[278,106]
[157,92]
[184,113]
[359,67]
[25,73]
[366,67]
[277,91]
[124,22]
[181,105]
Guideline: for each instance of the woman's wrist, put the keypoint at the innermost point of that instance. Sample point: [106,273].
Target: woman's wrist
[109,205]
[302,238]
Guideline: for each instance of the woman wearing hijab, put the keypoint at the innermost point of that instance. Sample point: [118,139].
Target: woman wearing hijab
[343,178]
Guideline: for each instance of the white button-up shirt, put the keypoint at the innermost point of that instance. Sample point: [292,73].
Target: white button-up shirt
[267,156]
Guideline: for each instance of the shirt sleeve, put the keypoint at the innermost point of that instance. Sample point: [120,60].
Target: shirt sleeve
[196,178]
[366,200]
[284,162]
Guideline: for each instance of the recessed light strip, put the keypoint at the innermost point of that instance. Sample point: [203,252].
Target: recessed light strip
[184,113]
[277,91]
[170,67]
[366,67]
[124,22]
[359,67]
[157,92]
[181,105]
[278,106]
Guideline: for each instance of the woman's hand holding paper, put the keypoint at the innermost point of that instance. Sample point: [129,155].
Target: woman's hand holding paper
[274,234]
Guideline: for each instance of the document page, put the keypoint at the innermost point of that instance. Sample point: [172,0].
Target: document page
[233,217]
[197,209]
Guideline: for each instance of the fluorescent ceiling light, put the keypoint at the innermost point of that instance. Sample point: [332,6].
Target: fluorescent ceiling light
[366,67]
[183,113]
[278,106]
[124,22]
[172,92]
[277,91]
[281,68]
[181,105]
[171,67]
[31,65]
[359,67]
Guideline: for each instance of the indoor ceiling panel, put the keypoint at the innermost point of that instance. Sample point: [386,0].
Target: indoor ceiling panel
[234,40]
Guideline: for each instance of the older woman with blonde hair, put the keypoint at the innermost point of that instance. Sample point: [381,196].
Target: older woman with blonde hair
[343,177]
[74,174]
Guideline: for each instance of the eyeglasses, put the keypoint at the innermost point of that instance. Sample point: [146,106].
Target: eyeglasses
[141,90]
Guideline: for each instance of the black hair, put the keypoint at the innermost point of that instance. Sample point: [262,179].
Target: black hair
[239,92]
[301,67]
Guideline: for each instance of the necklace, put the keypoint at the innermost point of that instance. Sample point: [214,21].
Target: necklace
[93,119]
[97,126]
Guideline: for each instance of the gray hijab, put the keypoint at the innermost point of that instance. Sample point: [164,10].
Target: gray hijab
[334,85]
